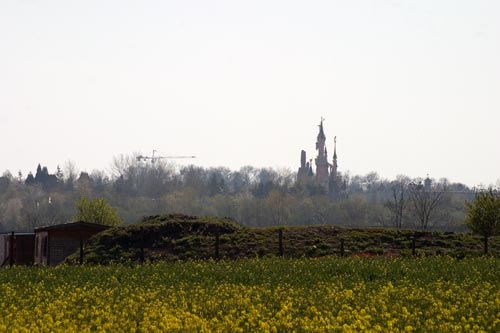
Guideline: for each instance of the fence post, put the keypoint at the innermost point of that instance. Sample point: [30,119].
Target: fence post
[142,244]
[280,243]
[11,249]
[413,246]
[342,252]
[81,249]
[217,243]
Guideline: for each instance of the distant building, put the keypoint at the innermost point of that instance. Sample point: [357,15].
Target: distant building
[305,170]
[428,184]
[54,243]
[327,176]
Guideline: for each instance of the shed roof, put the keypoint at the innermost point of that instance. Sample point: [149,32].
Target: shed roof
[74,225]
[17,233]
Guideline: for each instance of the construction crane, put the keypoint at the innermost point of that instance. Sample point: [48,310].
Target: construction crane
[153,158]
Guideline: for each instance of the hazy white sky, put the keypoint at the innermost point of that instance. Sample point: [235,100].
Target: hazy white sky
[408,87]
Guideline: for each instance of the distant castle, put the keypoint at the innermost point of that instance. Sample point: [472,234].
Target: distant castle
[327,176]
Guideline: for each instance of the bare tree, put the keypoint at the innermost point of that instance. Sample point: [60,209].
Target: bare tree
[371,181]
[397,204]
[70,171]
[31,212]
[277,207]
[285,178]
[10,213]
[224,206]
[354,210]
[425,200]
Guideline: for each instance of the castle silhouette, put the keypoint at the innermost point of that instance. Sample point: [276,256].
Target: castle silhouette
[327,176]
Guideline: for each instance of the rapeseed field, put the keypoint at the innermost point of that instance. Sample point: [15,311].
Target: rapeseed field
[329,294]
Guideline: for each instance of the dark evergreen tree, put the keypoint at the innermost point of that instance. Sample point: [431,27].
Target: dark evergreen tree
[30,180]
[38,174]
[4,184]
[50,182]
[59,175]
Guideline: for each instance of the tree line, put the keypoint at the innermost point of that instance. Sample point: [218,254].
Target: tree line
[252,196]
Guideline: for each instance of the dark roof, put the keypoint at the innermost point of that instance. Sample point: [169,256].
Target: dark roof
[73,225]
[17,233]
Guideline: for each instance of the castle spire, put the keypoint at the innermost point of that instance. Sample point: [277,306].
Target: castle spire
[322,159]
[334,164]
[335,148]
[333,183]
[321,134]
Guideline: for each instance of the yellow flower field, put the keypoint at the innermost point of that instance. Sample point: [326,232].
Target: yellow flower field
[266,295]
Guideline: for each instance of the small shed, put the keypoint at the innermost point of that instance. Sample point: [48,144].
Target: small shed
[17,248]
[54,243]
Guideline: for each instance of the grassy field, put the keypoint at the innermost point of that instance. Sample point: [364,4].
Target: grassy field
[328,294]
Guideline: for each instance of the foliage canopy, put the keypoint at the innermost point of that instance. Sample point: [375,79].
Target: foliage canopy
[483,215]
[97,210]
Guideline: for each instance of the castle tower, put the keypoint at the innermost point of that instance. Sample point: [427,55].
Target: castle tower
[327,177]
[303,172]
[333,182]
[322,159]
[334,166]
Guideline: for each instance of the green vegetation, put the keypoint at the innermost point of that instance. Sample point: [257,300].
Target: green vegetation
[181,237]
[483,215]
[97,210]
[329,294]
